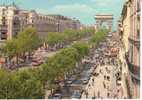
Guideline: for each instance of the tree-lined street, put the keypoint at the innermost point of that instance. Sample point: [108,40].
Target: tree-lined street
[100,76]
[67,72]
[53,69]
[70,49]
[72,70]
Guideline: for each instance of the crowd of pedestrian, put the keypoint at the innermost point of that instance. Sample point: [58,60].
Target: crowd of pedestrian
[106,54]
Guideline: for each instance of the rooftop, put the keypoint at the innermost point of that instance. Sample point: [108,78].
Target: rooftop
[104,16]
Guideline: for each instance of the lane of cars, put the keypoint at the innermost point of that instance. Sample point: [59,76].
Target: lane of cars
[75,84]
[89,65]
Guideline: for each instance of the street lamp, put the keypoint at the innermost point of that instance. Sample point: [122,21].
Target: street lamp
[58,26]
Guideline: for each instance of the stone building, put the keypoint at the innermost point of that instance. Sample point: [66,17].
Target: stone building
[66,23]
[13,20]
[104,21]
[9,22]
[129,29]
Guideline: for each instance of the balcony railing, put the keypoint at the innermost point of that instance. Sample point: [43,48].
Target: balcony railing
[135,41]
[3,27]
[133,69]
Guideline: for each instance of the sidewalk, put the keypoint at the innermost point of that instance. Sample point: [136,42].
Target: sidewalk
[96,88]
[105,85]
[124,72]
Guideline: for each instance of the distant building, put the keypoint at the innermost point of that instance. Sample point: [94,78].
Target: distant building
[66,23]
[104,21]
[9,22]
[13,20]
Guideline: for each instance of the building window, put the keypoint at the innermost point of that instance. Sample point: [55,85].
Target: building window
[14,23]
[15,35]
[138,33]
[3,11]
[4,21]
[138,5]
[130,53]
[16,12]
[3,35]
[32,21]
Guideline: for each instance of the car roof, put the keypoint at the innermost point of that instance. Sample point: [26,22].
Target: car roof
[76,93]
[57,94]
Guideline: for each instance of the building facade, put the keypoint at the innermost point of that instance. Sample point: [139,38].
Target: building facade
[134,47]
[125,25]
[13,20]
[66,23]
[129,28]
[9,22]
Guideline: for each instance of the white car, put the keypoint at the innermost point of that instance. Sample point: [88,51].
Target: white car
[57,96]
[69,81]
[85,81]
[119,83]
[76,95]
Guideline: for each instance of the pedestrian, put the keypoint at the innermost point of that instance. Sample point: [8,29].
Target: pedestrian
[98,94]
[89,85]
[104,85]
[108,94]
[93,79]
[104,77]
[86,94]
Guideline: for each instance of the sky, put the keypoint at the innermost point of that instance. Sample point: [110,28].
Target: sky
[84,10]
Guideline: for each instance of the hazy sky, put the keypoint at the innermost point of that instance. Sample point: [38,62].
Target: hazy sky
[81,9]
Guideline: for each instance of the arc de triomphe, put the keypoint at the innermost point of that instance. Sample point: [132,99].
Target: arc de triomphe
[104,18]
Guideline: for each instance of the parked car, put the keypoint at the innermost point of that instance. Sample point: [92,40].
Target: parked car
[36,63]
[77,82]
[109,35]
[119,83]
[95,74]
[69,81]
[93,97]
[91,70]
[76,94]
[57,96]
[85,80]
[72,78]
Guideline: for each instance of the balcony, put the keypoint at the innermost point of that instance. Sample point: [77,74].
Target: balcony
[3,36]
[133,69]
[16,28]
[3,27]
[135,41]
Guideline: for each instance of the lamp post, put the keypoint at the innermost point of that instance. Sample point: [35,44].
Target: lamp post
[58,26]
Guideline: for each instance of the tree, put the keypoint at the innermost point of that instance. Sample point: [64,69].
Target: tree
[28,85]
[20,85]
[54,38]
[26,41]
[82,48]
[56,67]
[31,83]
[99,36]
[70,34]
[67,59]
[10,49]
[4,83]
